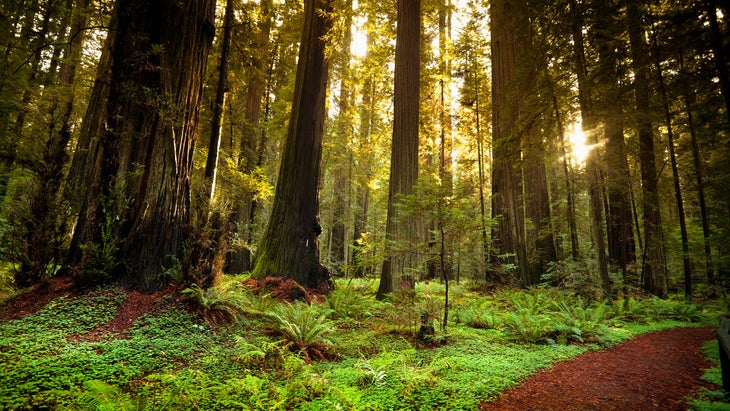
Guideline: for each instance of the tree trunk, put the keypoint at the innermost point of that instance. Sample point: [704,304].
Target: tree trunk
[45,227]
[145,154]
[251,143]
[290,245]
[719,52]
[686,261]
[654,266]
[592,166]
[621,247]
[400,231]
[214,144]
[84,154]
[689,100]
[511,80]
[344,130]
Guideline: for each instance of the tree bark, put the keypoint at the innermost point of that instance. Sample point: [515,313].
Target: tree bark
[654,266]
[400,231]
[290,245]
[145,154]
[510,83]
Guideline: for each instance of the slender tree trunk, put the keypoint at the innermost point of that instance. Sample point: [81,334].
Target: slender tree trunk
[567,175]
[290,245]
[688,99]
[592,167]
[145,154]
[367,115]
[401,230]
[211,165]
[344,129]
[719,52]
[252,141]
[654,266]
[44,229]
[686,261]
[480,164]
[36,37]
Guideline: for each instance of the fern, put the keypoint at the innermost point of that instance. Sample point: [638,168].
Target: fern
[100,396]
[305,326]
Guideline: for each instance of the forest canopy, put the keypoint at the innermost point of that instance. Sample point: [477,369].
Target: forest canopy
[576,143]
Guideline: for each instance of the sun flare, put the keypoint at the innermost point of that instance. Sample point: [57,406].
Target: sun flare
[578,148]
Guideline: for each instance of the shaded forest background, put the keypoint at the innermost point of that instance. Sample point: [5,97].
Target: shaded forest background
[145,142]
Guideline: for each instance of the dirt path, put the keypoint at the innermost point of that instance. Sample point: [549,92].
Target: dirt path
[654,371]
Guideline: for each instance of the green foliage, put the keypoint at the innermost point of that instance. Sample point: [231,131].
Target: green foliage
[173,360]
[223,302]
[102,258]
[306,326]
[350,302]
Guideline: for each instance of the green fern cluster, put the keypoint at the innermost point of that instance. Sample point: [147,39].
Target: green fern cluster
[305,326]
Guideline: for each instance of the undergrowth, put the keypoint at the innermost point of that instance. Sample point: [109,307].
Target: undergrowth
[246,351]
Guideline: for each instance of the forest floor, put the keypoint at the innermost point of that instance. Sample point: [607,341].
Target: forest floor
[654,371]
[658,370]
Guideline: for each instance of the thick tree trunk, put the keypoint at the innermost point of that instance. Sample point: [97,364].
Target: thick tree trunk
[654,266]
[537,208]
[400,231]
[290,245]
[511,80]
[145,155]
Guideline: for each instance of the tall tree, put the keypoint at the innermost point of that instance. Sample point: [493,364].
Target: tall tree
[211,164]
[45,226]
[251,147]
[290,245]
[592,160]
[400,229]
[511,79]
[141,177]
[654,267]
[606,37]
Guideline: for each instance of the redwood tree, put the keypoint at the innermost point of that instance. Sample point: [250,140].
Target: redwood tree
[400,229]
[290,245]
[139,200]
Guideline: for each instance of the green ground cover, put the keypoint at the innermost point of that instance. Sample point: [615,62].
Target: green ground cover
[348,352]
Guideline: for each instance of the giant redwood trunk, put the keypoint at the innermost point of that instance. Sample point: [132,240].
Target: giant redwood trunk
[290,245]
[400,229]
[654,267]
[141,178]
[510,42]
